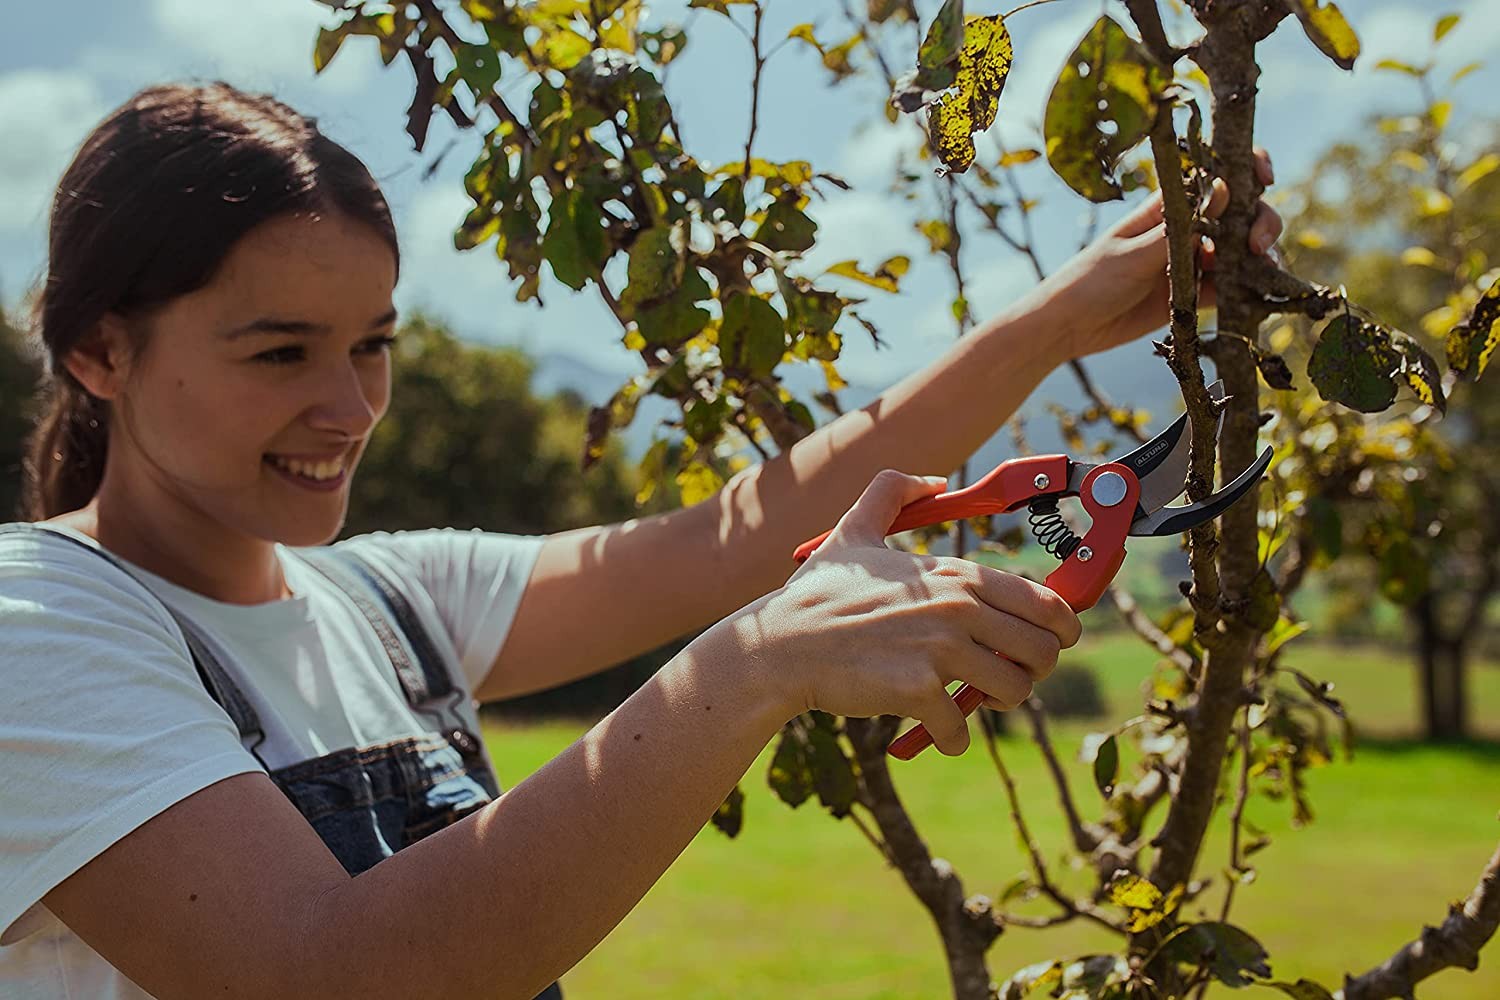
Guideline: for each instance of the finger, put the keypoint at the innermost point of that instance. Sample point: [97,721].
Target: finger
[1036,603]
[872,515]
[948,727]
[1263,169]
[1266,228]
[1001,679]
[1218,199]
[1143,218]
[1030,647]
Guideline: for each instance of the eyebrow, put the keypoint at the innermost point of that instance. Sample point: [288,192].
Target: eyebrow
[270,325]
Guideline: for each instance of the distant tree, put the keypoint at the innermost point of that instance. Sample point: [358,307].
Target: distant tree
[19,372]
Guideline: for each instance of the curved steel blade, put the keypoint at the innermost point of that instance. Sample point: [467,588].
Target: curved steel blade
[1175,520]
[1161,464]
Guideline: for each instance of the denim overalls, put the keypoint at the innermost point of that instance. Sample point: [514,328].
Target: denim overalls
[366,803]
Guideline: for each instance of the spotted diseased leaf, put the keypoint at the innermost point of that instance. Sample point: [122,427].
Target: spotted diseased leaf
[752,337]
[729,818]
[1472,342]
[983,63]
[1101,106]
[1420,372]
[1327,28]
[1134,892]
[1229,954]
[1026,981]
[886,277]
[1355,364]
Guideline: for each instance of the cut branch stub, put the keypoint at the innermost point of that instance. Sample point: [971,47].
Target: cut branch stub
[1102,105]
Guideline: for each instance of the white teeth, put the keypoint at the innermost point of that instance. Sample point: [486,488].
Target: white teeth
[310,470]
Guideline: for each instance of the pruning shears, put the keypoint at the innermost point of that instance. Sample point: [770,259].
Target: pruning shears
[1124,497]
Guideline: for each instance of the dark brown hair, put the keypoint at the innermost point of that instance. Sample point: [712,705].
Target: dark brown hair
[151,205]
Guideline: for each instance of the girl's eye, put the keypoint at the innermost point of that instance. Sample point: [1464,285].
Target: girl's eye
[291,355]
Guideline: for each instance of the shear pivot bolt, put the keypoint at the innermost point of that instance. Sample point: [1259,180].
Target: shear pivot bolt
[1041,482]
[1085,554]
[1109,489]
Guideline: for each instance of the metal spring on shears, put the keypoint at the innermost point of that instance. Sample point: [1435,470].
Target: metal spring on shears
[1049,528]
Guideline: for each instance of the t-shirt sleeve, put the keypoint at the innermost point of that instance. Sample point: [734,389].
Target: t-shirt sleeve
[475,579]
[104,722]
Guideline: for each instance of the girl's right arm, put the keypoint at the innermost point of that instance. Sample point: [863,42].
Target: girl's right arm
[230,893]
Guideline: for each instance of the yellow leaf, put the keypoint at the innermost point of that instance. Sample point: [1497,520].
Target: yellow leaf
[1016,156]
[1328,30]
[832,377]
[983,64]
[1281,337]
[698,482]
[1477,171]
[1471,67]
[1431,201]
[1398,66]
[633,340]
[1410,160]
[1134,892]
[805,32]
[1420,257]
[1444,25]
[1312,239]
[1441,111]
[1439,321]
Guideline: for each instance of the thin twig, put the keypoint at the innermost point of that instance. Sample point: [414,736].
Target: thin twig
[1083,840]
[760,64]
[1143,626]
[1242,795]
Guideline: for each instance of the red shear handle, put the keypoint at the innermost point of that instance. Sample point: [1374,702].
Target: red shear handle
[1080,581]
[1006,487]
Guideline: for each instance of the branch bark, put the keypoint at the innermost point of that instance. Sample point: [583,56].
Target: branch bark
[1454,944]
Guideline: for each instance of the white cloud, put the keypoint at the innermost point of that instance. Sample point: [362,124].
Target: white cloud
[263,45]
[44,116]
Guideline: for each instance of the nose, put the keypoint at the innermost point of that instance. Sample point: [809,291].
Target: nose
[351,400]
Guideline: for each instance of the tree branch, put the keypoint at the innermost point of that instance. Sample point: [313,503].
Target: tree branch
[1146,629]
[1455,944]
[1083,840]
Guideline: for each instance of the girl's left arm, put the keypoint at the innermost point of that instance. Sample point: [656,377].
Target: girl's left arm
[598,596]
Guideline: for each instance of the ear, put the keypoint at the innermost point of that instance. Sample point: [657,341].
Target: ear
[100,361]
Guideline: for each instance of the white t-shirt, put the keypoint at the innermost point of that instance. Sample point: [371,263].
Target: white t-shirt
[104,722]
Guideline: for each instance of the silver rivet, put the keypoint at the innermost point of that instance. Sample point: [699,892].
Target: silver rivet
[1041,481]
[1109,488]
[1085,554]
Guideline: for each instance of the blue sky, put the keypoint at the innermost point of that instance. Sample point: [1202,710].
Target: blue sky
[75,67]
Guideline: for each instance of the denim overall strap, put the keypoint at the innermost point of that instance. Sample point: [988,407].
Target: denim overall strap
[218,682]
[427,681]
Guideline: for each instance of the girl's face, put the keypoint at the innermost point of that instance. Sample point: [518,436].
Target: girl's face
[256,395]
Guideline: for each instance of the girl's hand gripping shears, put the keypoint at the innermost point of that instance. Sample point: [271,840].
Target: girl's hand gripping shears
[1127,496]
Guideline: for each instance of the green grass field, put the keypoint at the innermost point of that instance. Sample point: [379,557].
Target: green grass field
[801,906]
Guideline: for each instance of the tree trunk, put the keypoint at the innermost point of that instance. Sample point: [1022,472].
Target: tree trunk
[1443,682]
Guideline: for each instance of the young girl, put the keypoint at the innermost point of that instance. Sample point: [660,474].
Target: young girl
[238,761]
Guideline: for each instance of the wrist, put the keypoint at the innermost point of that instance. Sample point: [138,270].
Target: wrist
[731,658]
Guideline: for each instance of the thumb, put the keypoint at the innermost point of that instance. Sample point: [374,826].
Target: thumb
[871,517]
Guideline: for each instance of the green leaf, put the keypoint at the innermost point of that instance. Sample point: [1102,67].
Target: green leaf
[672,320]
[1229,954]
[833,775]
[1285,631]
[1326,528]
[1265,603]
[983,63]
[656,265]
[1327,28]
[574,244]
[479,65]
[327,46]
[1354,364]
[1108,78]
[1472,342]
[786,227]
[1404,572]
[704,419]
[790,777]
[1302,989]
[729,818]
[752,337]
[945,36]
[1445,24]
[1107,766]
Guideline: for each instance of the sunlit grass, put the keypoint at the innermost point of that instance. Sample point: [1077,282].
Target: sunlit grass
[801,906]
